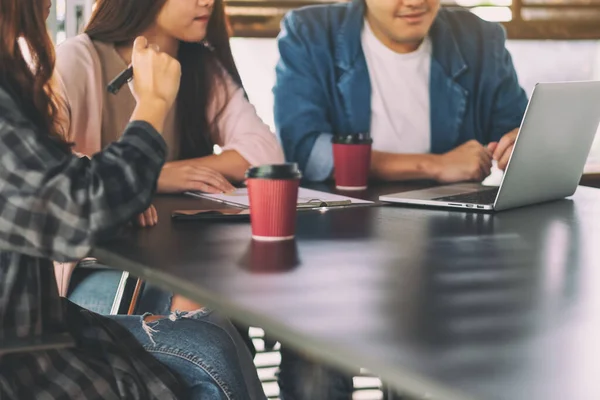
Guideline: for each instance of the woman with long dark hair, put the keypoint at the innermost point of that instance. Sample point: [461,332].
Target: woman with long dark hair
[56,206]
[211,109]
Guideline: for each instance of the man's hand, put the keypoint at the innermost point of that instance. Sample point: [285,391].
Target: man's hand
[470,161]
[503,150]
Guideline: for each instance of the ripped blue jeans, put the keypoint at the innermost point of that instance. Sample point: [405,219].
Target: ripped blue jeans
[203,348]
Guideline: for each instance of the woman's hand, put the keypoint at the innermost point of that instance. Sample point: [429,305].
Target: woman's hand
[148,218]
[178,177]
[156,75]
[156,78]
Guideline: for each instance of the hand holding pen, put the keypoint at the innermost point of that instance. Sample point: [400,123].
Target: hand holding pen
[126,75]
[156,83]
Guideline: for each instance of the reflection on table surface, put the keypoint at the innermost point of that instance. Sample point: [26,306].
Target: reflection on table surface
[454,304]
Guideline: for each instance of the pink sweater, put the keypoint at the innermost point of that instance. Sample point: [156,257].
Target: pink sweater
[80,79]
[81,83]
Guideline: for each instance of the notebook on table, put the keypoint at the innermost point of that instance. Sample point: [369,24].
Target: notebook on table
[307,199]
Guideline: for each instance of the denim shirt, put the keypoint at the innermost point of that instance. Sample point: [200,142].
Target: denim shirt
[323,86]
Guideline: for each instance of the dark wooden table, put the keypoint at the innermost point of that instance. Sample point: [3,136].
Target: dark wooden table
[441,304]
[591,179]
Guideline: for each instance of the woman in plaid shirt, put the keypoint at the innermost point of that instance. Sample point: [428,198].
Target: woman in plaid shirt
[55,206]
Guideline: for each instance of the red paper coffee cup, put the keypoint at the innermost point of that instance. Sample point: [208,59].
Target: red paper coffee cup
[352,161]
[273,194]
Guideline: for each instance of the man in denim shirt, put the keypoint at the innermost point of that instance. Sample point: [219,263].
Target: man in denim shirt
[454,102]
[435,88]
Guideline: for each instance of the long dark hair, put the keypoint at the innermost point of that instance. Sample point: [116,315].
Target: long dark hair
[28,79]
[202,66]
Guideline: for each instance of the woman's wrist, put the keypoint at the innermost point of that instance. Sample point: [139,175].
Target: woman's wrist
[152,110]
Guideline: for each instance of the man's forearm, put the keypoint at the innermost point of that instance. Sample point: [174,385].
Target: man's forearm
[398,167]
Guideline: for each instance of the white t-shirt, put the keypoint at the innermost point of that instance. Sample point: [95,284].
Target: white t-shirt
[400,105]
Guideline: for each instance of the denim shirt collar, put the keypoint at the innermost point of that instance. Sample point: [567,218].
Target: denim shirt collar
[348,45]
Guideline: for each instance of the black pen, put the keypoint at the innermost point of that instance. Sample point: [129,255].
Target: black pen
[116,84]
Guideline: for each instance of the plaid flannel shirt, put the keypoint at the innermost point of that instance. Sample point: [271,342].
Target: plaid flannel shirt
[55,206]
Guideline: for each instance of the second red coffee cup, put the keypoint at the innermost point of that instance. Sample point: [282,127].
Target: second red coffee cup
[352,161]
[273,194]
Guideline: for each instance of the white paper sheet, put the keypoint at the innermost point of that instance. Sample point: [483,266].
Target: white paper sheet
[240,198]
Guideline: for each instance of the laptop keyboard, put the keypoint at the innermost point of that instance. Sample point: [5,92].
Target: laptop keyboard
[481,197]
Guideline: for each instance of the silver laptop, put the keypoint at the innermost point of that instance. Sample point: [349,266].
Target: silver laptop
[547,162]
